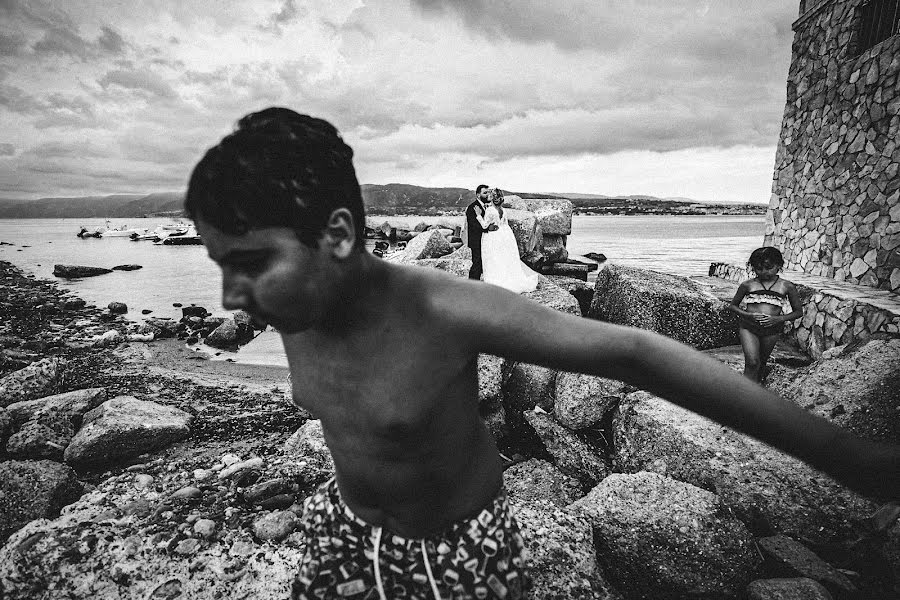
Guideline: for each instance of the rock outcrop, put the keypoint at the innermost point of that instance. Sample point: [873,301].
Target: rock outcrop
[857,389]
[770,491]
[663,539]
[668,304]
[124,427]
[34,489]
[38,379]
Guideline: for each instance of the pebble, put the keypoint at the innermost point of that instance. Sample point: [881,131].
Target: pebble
[205,528]
[229,459]
[276,525]
[136,468]
[187,546]
[143,481]
[250,463]
[188,492]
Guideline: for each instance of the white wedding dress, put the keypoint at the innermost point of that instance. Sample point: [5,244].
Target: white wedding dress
[500,255]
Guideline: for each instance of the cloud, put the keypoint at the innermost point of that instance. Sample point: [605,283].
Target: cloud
[141,80]
[63,42]
[12,43]
[7,150]
[18,100]
[288,13]
[110,41]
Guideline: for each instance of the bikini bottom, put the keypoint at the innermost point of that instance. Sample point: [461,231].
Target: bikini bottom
[480,557]
[758,330]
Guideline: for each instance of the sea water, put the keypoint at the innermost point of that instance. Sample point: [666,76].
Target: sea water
[682,245]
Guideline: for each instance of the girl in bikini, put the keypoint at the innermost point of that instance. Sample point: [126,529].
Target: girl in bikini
[761,318]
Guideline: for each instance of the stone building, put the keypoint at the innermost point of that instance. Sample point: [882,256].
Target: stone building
[835,205]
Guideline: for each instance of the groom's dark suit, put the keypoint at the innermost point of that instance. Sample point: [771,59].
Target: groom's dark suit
[475,230]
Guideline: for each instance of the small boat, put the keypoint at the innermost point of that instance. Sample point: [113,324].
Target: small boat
[182,237]
[84,233]
[122,231]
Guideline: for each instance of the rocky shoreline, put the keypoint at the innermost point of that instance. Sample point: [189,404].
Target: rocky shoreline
[619,494]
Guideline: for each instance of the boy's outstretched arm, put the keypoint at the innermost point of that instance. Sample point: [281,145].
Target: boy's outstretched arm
[506,324]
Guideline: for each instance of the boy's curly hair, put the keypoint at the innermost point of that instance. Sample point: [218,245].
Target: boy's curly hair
[277,169]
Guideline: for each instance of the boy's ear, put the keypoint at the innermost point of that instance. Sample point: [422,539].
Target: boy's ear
[339,235]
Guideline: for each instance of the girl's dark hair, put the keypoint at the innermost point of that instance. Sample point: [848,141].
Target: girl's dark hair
[766,254]
[277,169]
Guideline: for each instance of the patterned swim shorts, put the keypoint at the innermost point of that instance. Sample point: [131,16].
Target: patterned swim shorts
[477,558]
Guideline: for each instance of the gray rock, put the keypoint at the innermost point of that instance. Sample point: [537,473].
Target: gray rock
[554,296]
[668,304]
[583,400]
[44,436]
[127,267]
[228,335]
[864,381]
[77,271]
[78,556]
[765,488]
[659,538]
[553,215]
[37,380]
[117,308]
[428,244]
[308,444]
[537,480]
[525,229]
[528,386]
[275,525]
[562,559]
[163,328]
[490,378]
[5,424]
[455,265]
[34,489]
[124,427]
[573,456]
[73,404]
[799,561]
[799,588]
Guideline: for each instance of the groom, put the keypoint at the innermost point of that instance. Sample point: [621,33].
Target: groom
[474,228]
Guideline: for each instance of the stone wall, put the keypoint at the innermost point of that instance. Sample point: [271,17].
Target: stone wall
[835,205]
[832,315]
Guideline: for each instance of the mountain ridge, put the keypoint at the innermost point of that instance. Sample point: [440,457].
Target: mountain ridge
[387,199]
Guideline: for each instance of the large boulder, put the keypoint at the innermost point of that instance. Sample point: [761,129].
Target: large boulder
[307,445]
[77,271]
[457,263]
[71,404]
[562,560]
[33,489]
[229,335]
[858,389]
[554,215]
[37,380]
[93,552]
[537,480]
[44,436]
[668,304]
[528,386]
[658,539]
[124,427]
[525,229]
[554,296]
[767,489]
[492,370]
[583,400]
[573,456]
[797,588]
[428,244]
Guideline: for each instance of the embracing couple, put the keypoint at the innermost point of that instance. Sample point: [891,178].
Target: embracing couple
[495,254]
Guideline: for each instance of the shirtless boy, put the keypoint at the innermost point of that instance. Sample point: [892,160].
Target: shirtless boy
[418,503]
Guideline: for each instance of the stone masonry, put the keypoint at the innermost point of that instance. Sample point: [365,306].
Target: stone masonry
[835,204]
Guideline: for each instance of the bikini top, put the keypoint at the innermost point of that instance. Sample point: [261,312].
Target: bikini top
[765,296]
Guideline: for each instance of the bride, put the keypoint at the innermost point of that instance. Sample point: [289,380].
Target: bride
[499,252]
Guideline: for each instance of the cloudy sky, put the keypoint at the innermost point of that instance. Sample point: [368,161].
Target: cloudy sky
[661,97]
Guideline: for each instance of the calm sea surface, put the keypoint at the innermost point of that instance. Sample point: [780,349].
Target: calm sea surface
[679,245]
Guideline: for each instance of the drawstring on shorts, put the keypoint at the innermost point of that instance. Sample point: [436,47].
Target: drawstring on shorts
[376,560]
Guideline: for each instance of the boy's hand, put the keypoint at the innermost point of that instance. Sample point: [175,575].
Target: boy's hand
[492,227]
[765,320]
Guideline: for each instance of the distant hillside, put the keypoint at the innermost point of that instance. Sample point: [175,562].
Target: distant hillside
[116,206]
[390,199]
